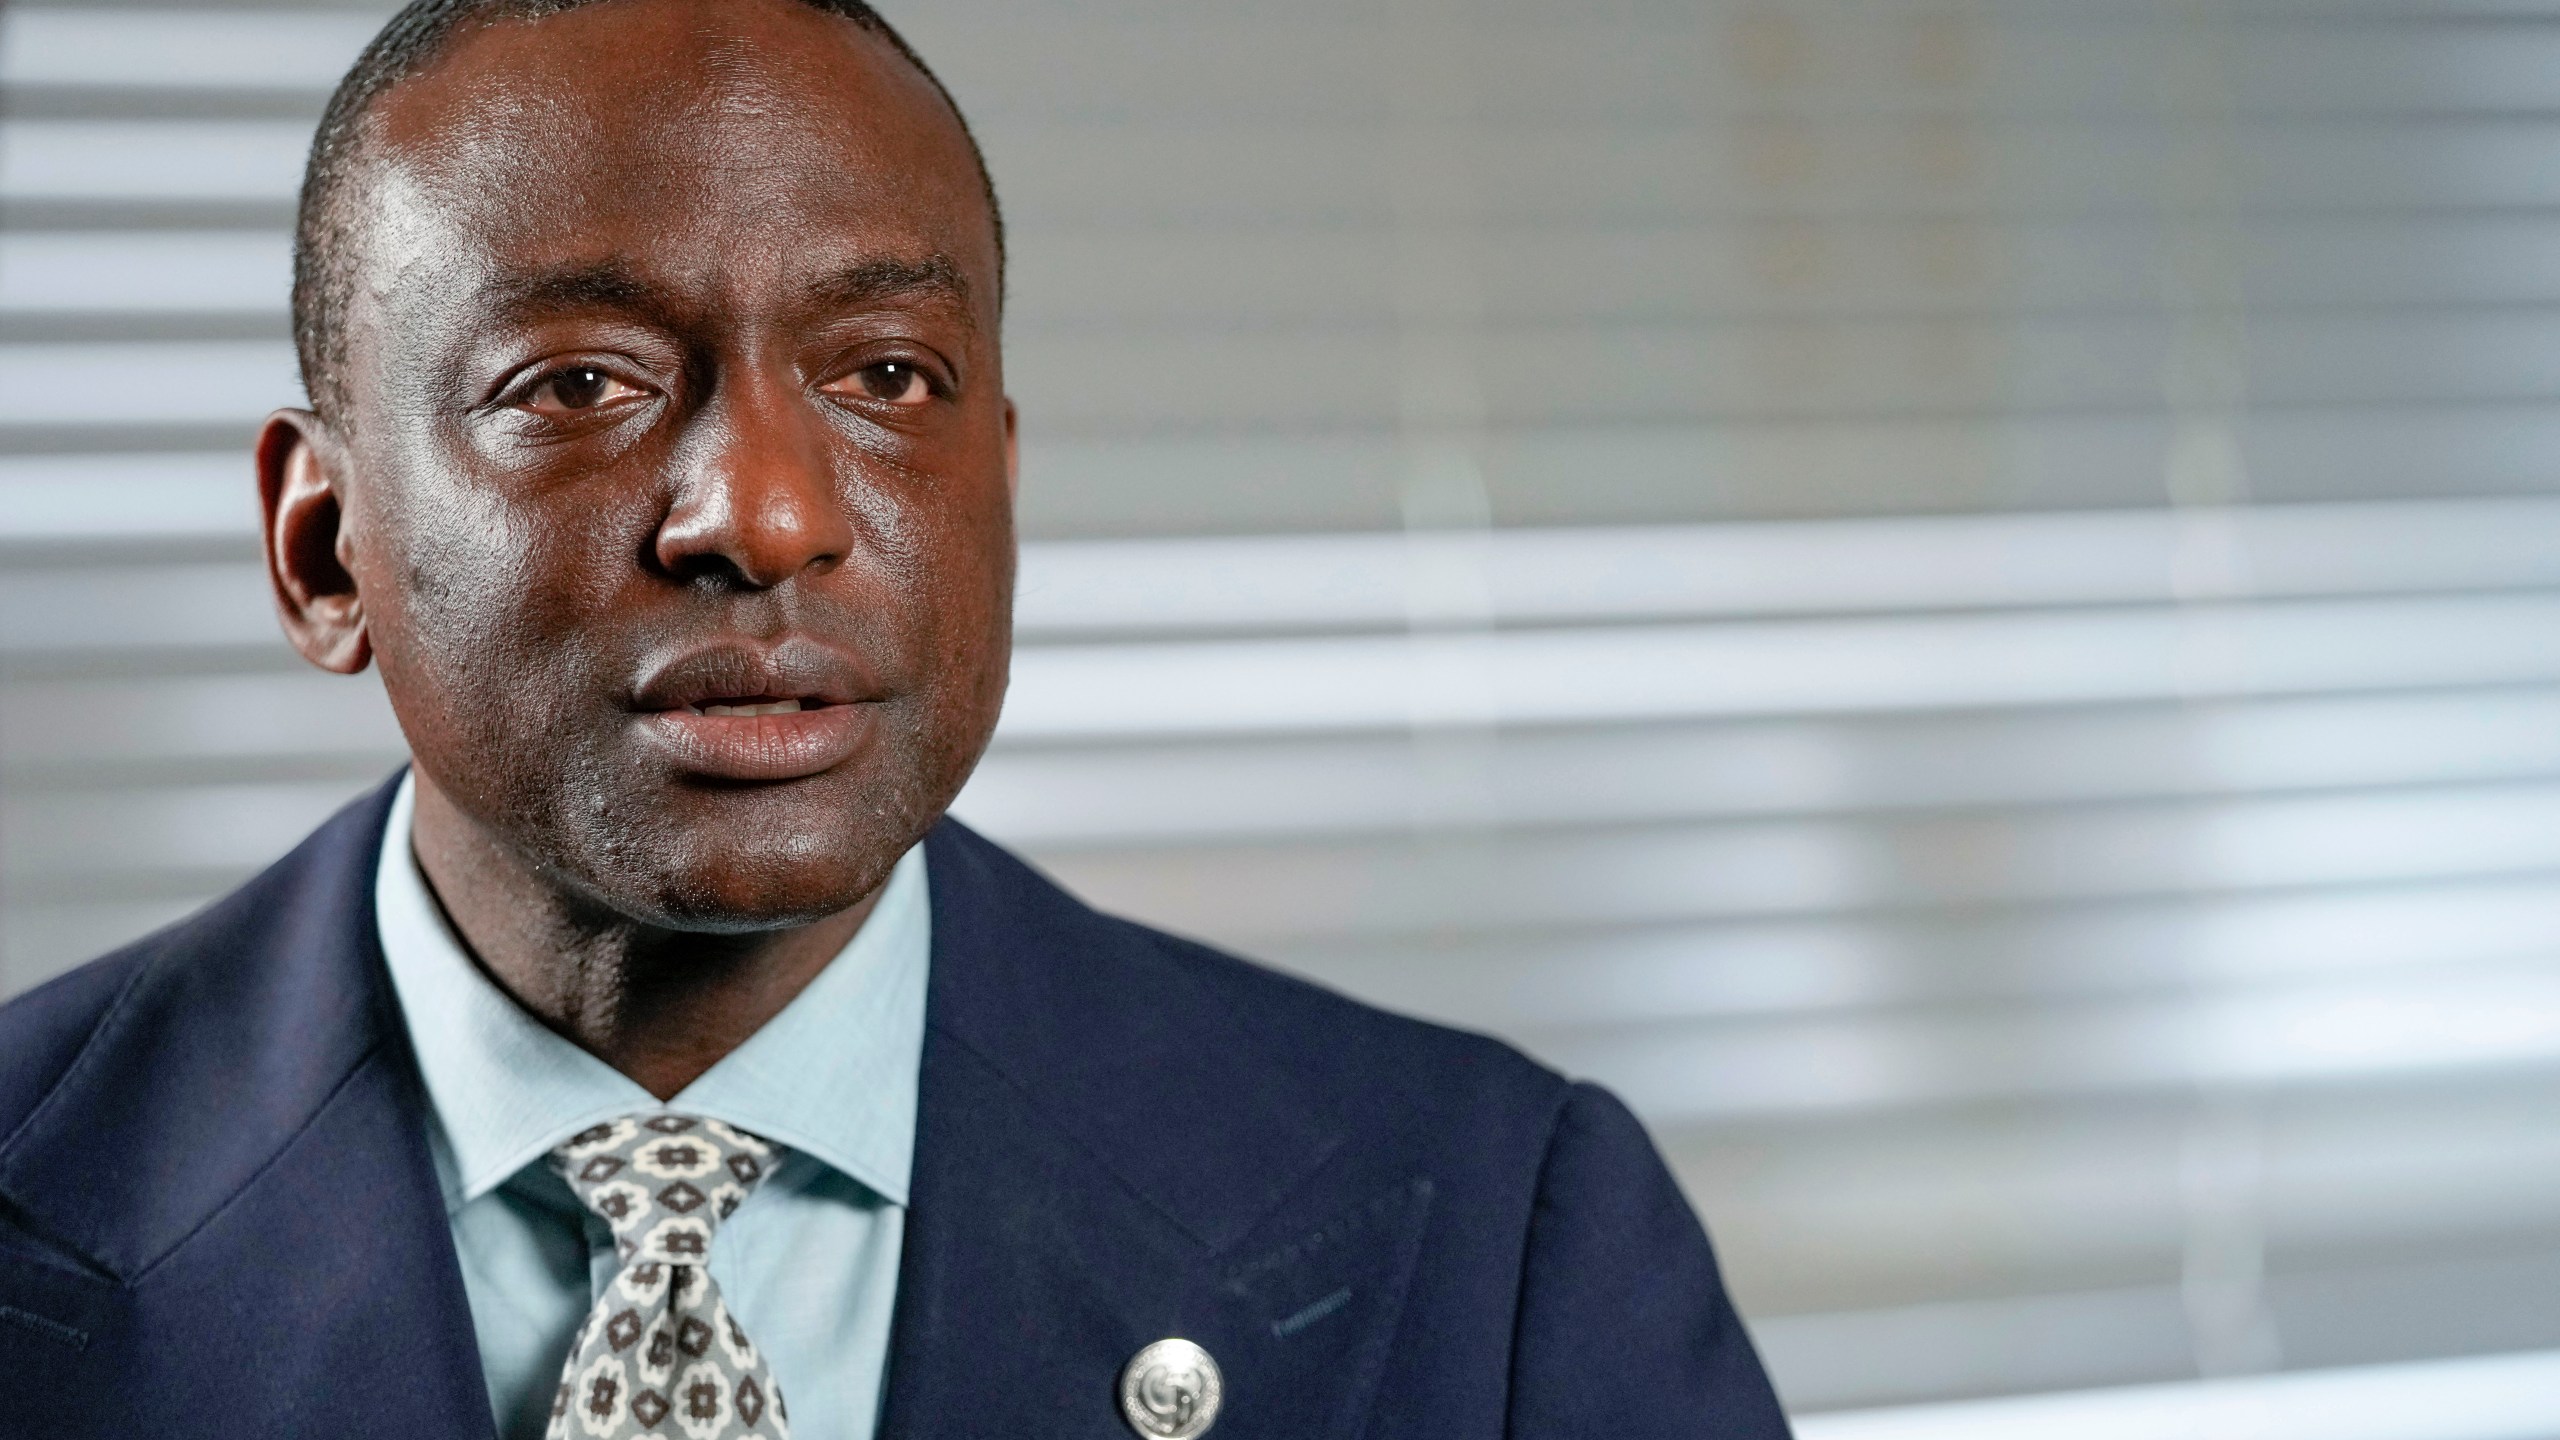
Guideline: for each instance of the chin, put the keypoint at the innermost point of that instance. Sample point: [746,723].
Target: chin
[747,861]
[689,853]
[738,893]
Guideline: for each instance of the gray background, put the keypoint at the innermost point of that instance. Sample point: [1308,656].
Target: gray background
[1961,598]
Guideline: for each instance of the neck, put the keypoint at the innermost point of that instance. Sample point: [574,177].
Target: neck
[660,1005]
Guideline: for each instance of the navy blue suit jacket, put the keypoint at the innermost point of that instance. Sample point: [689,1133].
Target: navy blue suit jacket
[218,1216]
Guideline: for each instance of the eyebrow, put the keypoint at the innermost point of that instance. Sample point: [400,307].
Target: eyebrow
[868,282]
[615,285]
[597,285]
[602,285]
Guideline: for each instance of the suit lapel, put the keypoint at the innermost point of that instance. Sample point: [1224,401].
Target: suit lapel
[234,1170]
[1106,1157]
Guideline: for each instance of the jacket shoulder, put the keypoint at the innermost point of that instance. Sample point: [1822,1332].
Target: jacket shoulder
[1353,1048]
[43,1031]
[250,1000]
[1212,1018]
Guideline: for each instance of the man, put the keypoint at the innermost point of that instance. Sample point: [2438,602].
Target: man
[653,1057]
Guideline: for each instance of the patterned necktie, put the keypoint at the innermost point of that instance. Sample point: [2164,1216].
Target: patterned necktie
[659,1353]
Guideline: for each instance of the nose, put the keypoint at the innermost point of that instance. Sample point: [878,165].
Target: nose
[757,503]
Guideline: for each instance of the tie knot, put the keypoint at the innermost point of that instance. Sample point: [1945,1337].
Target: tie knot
[663,1182]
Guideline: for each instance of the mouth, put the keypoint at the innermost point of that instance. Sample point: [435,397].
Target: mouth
[732,708]
[757,713]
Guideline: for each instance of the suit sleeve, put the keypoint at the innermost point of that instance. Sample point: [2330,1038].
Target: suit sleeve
[1624,1330]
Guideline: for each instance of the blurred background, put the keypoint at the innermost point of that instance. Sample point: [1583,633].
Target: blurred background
[1960,598]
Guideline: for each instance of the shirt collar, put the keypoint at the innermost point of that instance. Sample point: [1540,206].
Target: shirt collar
[833,1076]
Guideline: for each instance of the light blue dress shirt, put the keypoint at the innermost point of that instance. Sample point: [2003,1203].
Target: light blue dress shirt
[809,1264]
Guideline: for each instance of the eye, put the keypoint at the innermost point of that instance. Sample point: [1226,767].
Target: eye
[578,388]
[895,382]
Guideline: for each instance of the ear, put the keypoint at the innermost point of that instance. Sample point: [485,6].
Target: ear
[1012,455]
[300,489]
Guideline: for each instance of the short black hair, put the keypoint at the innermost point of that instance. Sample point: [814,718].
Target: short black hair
[323,276]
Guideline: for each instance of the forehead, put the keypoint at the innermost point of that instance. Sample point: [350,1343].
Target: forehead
[706,139]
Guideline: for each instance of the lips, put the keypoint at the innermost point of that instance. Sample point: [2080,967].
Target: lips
[758,713]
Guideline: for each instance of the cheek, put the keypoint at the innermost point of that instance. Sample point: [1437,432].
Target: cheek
[967,596]
[963,581]
[480,611]
[932,555]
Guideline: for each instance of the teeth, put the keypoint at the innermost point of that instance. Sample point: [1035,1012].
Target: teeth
[777,707]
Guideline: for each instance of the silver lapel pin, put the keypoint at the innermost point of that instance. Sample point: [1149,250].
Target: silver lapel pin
[1171,1390]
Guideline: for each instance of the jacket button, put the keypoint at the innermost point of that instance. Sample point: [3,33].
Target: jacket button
[1170,1391]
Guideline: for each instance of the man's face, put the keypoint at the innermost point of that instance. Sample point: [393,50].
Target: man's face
[677,473]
